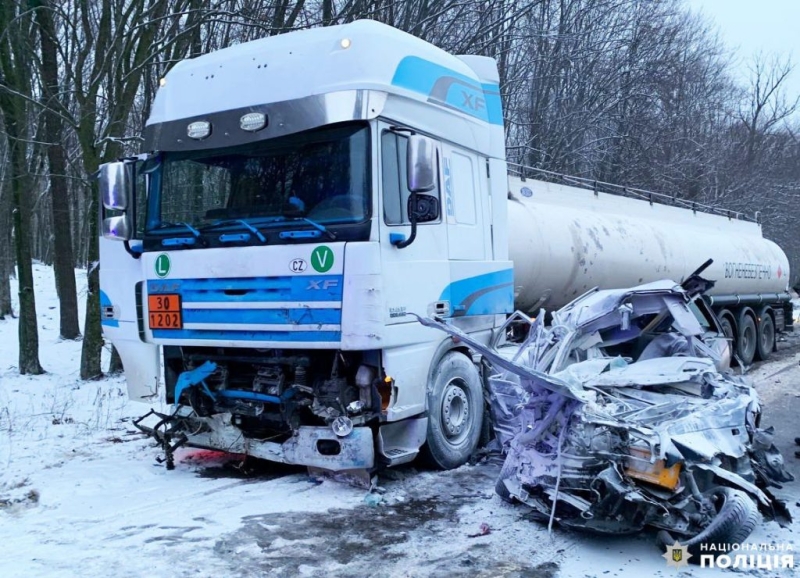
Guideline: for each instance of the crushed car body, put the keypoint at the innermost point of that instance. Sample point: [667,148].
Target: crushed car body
[622,414]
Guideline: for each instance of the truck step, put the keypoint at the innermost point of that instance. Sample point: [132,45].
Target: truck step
[397,456]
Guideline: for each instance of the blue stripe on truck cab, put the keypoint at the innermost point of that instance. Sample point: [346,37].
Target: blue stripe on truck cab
[252,309]
[488,294]
[253,289]
[449,88]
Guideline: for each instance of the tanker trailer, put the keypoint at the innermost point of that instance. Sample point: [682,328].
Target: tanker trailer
[564,240]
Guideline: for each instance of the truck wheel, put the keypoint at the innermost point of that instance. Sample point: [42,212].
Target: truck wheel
[766,337]
[726,324]
[747,339]
[455,412]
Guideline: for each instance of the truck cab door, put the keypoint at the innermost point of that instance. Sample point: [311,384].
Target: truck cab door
[415,276]
[463,191]
[121,281]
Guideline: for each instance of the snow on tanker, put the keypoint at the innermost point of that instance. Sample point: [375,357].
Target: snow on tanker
[269,247]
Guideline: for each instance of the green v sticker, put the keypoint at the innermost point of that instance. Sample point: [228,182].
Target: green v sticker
[322,259]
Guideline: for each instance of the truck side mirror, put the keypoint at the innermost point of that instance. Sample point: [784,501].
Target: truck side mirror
[117,228]
[421,164]
[423,208]
[116,192]
[116,184]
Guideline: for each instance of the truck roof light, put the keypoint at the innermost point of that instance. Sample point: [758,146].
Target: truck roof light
[198,130]
[345,43]
[253,121]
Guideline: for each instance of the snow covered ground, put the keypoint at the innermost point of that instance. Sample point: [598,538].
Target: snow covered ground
[81,494]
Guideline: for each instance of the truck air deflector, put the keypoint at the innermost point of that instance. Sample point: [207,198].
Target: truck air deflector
[449,88]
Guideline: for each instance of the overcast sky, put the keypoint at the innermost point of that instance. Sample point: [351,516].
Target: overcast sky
[750,26]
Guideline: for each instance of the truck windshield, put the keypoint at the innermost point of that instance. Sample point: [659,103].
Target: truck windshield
[319,176]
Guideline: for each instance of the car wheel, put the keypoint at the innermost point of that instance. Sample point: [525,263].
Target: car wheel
[455,412]
[736,517]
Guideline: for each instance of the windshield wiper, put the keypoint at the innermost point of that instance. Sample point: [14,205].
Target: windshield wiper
[319,227]
[191,229]
[178,241]
[241,222]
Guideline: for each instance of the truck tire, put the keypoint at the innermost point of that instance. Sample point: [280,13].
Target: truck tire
[727,326]
[737,516]
[747,339]
[766,337]
[455,412]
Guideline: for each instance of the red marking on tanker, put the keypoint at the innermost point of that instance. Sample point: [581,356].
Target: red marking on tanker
[780,272]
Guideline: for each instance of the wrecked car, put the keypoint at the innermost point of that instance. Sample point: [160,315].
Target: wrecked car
[622,414]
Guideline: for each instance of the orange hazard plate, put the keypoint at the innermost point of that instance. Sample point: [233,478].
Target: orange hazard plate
[165,311]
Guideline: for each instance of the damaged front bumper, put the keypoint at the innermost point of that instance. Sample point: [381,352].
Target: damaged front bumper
[312,446]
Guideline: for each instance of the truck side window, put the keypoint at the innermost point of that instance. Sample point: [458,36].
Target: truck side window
[395,186]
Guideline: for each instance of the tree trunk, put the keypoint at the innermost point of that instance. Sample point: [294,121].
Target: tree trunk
[20,199]
[93,337]
[6,259]
[16,73]
[59,199]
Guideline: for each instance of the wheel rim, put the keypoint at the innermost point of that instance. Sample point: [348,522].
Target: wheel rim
[455,411]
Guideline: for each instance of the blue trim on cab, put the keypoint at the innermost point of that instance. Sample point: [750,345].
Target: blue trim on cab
[487,294]
[450,88]
[300,316]
[253,289]
[227,334]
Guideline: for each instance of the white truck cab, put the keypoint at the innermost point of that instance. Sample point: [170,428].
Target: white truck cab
[282,237]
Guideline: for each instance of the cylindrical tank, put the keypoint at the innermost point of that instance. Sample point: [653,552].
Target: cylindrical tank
[566,240]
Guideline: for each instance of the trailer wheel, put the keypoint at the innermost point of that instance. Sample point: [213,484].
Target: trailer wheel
[747,339]
[455,412]
[766,336]
[726,324]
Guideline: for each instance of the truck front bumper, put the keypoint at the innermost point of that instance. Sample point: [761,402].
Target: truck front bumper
[311,446]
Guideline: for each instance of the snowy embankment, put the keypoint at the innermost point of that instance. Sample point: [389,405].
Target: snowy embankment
[81,494]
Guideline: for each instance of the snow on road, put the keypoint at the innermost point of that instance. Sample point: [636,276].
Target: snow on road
[81,494]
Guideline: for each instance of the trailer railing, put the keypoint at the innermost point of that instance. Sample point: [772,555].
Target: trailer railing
[524,173]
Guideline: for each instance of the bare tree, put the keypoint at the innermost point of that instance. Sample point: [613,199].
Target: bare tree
[53,131]
[15,91]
